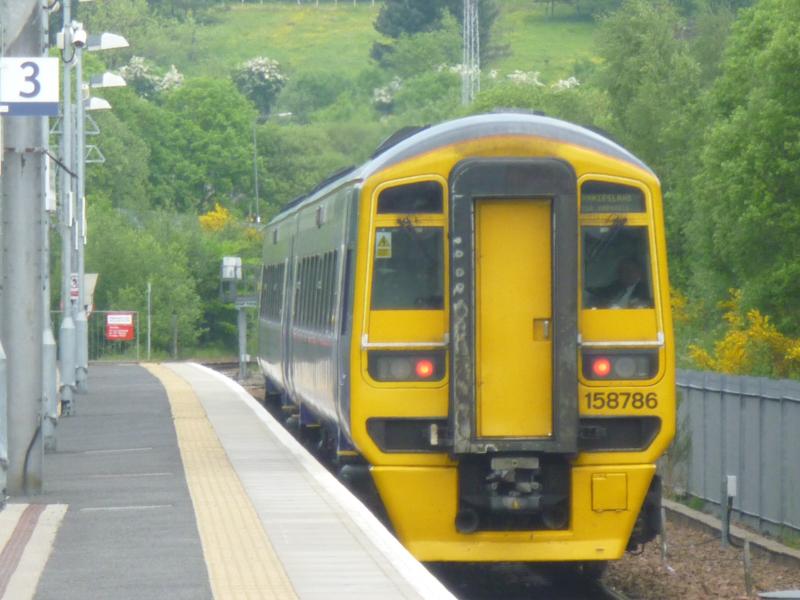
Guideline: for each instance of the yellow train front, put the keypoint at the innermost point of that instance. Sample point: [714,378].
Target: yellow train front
[491,333]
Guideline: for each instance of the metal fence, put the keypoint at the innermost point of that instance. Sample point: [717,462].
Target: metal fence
[100,346]
[743,426]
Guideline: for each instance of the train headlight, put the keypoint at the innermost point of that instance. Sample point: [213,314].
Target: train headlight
[620,364]
[405,365]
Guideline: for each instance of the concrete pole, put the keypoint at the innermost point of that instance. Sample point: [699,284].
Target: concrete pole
[49,350]
[149,315]
[22,323]
[3,428]
[255,172]
[66,334]
[242,323]
[81,323]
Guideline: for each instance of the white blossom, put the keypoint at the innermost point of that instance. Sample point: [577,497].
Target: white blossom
[383,97]
[566,84]
[172,79]
[525,78]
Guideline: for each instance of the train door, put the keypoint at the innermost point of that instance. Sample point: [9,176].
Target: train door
[513,293]
[513,315]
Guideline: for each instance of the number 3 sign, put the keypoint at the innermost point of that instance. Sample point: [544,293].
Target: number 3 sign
[29,86]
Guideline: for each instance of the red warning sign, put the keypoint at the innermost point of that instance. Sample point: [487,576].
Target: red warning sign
[119,327]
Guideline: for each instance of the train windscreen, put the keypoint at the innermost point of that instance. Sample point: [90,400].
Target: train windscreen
[409,268]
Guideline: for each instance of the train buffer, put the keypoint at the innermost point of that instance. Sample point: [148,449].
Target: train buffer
[171,482]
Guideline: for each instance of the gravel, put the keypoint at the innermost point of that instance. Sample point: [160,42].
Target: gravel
[696,567]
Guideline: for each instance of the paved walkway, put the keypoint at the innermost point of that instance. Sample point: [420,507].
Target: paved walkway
[172,482]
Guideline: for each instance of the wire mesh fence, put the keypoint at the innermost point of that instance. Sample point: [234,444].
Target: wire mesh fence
[113,335]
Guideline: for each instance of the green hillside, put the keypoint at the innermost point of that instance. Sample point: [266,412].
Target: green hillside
[535,42]
[338,38]
[329,37]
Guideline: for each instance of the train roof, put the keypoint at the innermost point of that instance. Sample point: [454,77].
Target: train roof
[410,142]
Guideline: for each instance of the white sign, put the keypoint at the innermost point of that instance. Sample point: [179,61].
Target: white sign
[119,318]
[74,292]
[29,86]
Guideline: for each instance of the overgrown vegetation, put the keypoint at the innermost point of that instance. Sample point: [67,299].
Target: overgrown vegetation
[702,90]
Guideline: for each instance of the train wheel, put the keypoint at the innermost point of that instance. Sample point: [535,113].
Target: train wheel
[272,401]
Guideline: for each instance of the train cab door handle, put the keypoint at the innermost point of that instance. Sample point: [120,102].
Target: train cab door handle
[541,330]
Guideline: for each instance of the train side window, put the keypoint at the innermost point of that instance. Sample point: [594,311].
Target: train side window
[616,267]
[264,291]
[423,197]
[272,292]
[608,197]
[331,295]
[275,292]
[305,291]
[317,292]
[409,268]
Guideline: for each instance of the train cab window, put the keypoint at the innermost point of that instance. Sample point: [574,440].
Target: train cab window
[424,197]
[616,267]
[409,268]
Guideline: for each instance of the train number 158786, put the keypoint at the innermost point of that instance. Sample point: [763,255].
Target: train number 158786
[621,400]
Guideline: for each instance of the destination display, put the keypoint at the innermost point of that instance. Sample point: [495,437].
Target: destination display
[607,197]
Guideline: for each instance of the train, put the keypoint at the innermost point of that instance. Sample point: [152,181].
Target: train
[479,316]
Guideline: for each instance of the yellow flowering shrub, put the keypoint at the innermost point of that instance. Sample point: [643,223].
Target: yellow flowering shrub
[215,219]
[680,306]
[751,345]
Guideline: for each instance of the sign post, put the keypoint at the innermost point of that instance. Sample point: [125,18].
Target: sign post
[120,327]
[29,86]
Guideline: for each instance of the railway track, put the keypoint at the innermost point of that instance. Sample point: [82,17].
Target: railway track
[476,581]
[520,582]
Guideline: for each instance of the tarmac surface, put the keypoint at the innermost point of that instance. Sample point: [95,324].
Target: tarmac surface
[170,481]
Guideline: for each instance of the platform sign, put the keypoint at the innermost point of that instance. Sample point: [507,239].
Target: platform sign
[29,87]
[74,290]
[119,327]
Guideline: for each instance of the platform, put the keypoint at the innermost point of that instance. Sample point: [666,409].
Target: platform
[171,482]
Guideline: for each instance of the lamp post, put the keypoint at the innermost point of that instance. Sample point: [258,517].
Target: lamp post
[66,333]
[283,115]
[103,41]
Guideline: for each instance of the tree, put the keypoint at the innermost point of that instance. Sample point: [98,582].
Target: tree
[584,105]
[399,18]
[653,84]
[127,256]
[745,226]
[212,122]
[488,11]
[311,91]
[124,176]
[260,79]
[407,17]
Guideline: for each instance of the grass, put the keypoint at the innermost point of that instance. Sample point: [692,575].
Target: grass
[325,38]
[339,38]
[550,45]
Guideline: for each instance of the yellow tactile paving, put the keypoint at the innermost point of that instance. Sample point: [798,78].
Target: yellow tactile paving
[240,559]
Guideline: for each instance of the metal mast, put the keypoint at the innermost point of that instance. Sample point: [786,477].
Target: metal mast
[66,339]
[471,63]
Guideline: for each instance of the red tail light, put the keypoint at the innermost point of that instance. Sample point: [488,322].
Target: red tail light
[601,366]
[406,365]
[424,368]
[620,365]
